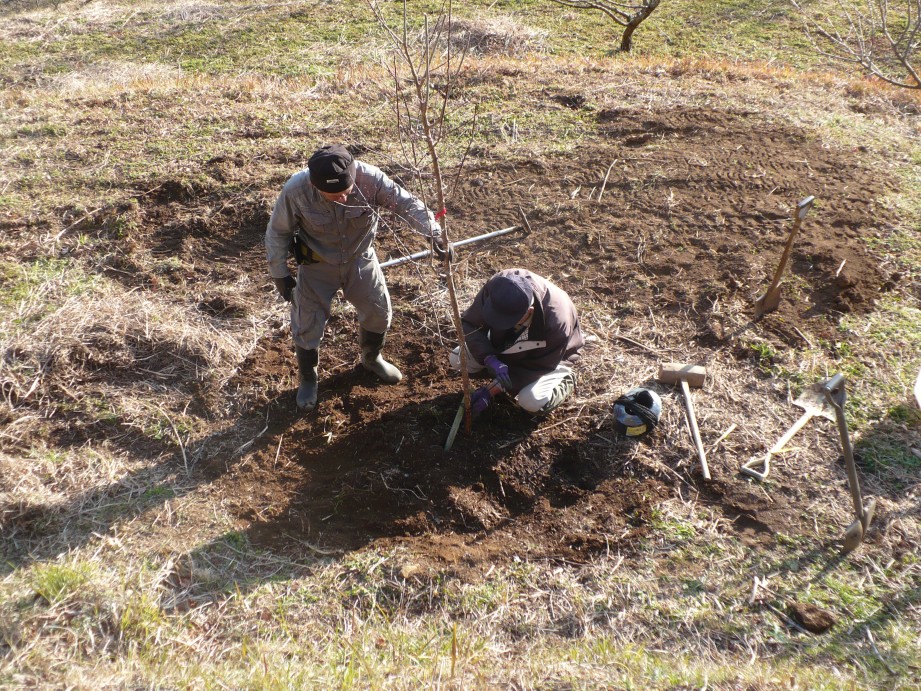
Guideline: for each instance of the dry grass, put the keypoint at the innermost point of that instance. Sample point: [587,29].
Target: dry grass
[120,569]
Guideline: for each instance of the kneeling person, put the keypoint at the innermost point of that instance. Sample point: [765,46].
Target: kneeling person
[525,331]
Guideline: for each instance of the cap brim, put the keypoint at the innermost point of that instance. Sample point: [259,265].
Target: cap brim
[498,320]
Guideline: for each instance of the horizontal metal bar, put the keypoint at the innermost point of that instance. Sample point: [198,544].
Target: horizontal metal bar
[459,243]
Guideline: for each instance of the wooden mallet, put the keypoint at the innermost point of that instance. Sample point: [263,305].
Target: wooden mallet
[687,376]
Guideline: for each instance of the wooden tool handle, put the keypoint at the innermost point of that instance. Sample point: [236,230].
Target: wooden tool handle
[797,426]
[801,210]
[695,432]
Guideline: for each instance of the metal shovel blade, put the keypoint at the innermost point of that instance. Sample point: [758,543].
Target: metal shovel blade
[455,426]
[853,536]
[767,302]
[813,400]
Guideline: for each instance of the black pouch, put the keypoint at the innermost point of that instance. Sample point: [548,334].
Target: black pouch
[637,412]
[301,251]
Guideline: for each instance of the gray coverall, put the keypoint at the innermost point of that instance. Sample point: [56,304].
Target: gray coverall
[340,237]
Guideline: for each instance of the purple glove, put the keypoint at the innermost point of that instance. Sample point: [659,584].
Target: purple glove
[499,370]
[480,400]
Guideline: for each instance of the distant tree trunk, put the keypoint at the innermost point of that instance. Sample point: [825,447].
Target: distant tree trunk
[626,41]
[628,14]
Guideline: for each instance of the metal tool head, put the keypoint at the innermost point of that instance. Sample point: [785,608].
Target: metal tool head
[814,400]
[674,372]
[455,426]
[802,208]
[853,536]
[857,530]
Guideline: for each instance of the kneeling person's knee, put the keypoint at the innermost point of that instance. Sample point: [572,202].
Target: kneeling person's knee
[547,393]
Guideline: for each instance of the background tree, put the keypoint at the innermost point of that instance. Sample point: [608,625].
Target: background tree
[628,14]
[878,36]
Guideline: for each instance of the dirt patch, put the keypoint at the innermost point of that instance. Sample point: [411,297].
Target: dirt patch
[674,220]
[813,619]
[694,209]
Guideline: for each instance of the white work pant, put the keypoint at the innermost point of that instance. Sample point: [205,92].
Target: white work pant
[535,396]
[362,283]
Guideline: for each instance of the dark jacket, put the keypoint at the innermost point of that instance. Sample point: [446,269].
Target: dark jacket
[553,338]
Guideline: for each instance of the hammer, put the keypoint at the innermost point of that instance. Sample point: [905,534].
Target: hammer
[688,375]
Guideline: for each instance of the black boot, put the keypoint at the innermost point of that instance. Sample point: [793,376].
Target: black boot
[307,390]
[371,344]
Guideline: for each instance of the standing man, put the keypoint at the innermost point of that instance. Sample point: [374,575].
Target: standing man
[327,216]
[525,331]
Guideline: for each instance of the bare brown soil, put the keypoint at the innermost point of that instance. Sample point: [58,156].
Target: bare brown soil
[662,218]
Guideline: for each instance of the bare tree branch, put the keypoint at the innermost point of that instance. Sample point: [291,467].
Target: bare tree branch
[421,118]
[880,37]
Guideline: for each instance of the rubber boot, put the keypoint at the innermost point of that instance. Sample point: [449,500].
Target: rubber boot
[371,344]
[307,361]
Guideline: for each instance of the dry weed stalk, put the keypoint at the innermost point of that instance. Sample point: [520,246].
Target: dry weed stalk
[421,106]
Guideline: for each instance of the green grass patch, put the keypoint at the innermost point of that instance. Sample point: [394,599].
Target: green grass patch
[884,452]
[56,582]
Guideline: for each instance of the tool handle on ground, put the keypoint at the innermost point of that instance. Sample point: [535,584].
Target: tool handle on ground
[797,426]
[749,467]
[460,243]
[695,432]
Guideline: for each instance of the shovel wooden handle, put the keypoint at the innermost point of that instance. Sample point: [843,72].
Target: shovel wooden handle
[769,301]
[801,210]
[796,427]
[695,432]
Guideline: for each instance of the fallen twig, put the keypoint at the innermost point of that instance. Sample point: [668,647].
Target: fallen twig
[637,344]
[243,447]
[804,337]
[185,457]
[876,651]
[278,451]
[605,181]
[722,437]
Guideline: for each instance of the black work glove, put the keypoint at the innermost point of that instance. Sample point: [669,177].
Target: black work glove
[285,286]
[441,252]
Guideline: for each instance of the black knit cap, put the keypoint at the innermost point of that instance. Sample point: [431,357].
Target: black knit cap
[332,168]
